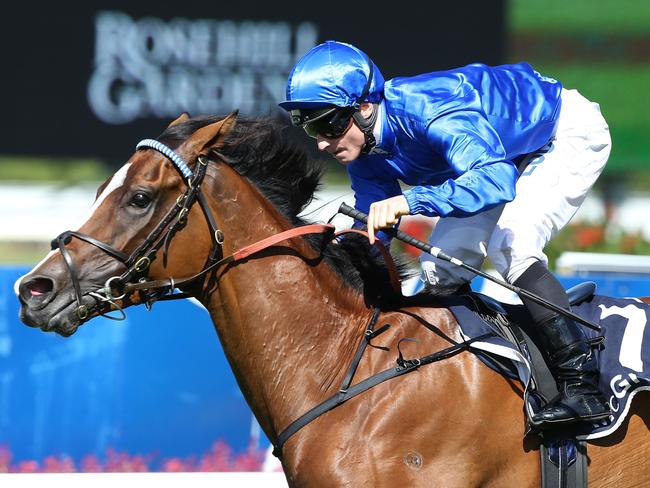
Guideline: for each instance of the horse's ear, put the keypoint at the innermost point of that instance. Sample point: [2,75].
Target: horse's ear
[181,118]
[211,135]
[229,122]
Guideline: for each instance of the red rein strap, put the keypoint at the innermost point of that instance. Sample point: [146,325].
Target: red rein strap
[314,229]
[282,236]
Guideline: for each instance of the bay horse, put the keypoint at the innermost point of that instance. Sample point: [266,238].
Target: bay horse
[290,317]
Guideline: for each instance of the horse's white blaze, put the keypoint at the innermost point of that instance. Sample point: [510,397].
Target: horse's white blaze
[116,181]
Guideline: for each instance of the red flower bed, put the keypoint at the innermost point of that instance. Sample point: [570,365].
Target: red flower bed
[220,458]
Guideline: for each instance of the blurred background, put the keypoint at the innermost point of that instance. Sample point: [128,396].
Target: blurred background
[81,87]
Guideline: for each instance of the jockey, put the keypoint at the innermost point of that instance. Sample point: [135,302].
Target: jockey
[504,155]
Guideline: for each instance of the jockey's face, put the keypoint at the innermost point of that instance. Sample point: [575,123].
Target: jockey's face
[348,147]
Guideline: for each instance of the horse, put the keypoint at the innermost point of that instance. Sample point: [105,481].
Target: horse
[290,316]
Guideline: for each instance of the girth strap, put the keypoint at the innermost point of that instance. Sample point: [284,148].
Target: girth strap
[564,464]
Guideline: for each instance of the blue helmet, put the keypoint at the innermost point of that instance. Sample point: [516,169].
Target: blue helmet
[333,73]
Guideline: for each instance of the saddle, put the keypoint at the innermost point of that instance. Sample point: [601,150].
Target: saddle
[563,457]
[514,325]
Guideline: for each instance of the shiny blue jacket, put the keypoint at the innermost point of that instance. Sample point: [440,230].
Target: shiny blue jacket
[453,136]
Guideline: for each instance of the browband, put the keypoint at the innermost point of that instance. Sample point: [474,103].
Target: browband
[173,157]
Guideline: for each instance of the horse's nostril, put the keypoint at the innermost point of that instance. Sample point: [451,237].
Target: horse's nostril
[38,287]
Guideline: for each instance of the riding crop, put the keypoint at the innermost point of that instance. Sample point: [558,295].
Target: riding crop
[436,252]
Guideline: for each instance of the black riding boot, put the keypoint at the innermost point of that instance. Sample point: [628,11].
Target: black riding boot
[575,369]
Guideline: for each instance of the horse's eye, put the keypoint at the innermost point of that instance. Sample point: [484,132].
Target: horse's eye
[140,200]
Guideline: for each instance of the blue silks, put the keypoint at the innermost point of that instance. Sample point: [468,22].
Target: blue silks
[453,135]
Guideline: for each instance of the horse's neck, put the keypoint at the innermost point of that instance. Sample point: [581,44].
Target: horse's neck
[288,326]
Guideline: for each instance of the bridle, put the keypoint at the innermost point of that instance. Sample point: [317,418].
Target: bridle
[138,262]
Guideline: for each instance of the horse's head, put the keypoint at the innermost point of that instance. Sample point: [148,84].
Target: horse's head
[136,214]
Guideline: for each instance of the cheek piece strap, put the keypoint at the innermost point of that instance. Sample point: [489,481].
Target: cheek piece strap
[367,126]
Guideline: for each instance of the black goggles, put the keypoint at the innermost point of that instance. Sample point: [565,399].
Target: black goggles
[329,122]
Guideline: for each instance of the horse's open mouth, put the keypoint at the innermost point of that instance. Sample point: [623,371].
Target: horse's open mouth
[65,317]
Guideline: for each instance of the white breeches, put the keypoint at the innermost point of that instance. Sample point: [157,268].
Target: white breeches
[549,192]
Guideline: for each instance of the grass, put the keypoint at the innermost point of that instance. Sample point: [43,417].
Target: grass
[622,92]
[619,87]
[65,171]
[626,17]
[17,253]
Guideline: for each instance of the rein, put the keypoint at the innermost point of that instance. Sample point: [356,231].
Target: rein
[258,246]
[240,255]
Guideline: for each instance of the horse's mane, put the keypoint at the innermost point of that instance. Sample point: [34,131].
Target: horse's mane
[258,149]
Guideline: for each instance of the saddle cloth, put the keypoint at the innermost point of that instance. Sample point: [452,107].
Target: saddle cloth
[623,357]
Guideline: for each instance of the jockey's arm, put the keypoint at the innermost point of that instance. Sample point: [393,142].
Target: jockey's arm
[369,190]
[486,177]
[472,148]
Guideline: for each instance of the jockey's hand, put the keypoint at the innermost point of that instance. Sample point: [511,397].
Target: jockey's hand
[385,214]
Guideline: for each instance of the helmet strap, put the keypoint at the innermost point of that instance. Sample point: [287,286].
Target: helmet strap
[367,126]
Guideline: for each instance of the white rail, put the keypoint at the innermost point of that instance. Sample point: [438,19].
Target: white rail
[158,480]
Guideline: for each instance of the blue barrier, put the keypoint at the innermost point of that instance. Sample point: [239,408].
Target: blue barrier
[610,284]
[155,383]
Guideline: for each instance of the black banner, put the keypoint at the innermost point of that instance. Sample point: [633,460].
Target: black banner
[93,80]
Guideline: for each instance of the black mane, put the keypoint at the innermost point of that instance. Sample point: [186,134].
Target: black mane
[258,149]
